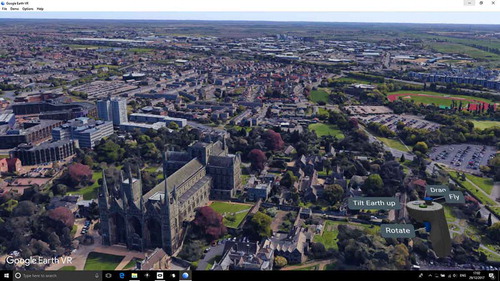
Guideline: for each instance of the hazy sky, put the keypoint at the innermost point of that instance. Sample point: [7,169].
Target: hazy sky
[398,17]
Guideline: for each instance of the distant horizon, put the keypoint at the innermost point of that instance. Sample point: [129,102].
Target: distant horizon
[452,18]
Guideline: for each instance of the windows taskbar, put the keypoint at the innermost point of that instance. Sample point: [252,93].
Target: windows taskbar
[168,275]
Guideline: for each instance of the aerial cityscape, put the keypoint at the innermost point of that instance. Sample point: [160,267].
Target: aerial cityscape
[248,145]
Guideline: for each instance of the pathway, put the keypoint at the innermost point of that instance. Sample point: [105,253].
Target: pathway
[321,265]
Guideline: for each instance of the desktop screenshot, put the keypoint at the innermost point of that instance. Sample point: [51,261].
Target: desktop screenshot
[216,140]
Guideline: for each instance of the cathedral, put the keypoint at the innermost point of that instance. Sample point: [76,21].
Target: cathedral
[156,219]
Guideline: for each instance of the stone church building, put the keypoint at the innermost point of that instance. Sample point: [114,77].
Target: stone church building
[156,219]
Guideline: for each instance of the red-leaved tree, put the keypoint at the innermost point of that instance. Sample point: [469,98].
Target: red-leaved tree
[274,140]
[210,223]
[79,173]
[257,158]
[63,215]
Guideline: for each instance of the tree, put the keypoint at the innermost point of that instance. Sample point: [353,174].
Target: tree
[60,189]
[402,159]
[260,225]
[24,208]
[373,185]
[63,215]
[109,152]
[333,193]
[210,223]
[421,147]
[288,179]
[79,173]
[493,233]
[257,159]
[280,262]
[274,140]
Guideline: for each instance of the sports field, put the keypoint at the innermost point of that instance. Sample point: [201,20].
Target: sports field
[439,99]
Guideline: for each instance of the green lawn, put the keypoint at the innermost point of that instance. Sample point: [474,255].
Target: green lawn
[141,50]
[326,129]
[485,124]
[110,66]
[212,261]
[329,236]
[90,192]
[436,98]
[131,263]
[456,48]
[228,208]
[472,189]
[100,261]
[79,46]
[322,111]
[484,183]
[319,95]
[312,267]
[330,232]
[396,144]
[68,268]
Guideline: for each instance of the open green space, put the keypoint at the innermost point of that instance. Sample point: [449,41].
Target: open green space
[89,192]
[457,48]
[110,66]
[322,129]
[484,183]
[212,261]
[78,46]
[131,264]
[228,209]
[436,98]
[485,124]
[319,95]
[141,50]
[312,267]
[393,143]
[100,261]
[472,189]
[330,231]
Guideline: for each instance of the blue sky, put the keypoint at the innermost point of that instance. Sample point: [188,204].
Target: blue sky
[395,17]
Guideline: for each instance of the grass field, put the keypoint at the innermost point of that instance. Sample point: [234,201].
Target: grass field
[100,261]
[330,232]
[472,189]
[319,95]
[485,124]
[430,97]
[329,236]
[485,184]
[89,192]
[457,48]
[131,264]
[228,208]
[78,46]
[326,130]
[308,268]
[396,144]
[141,50]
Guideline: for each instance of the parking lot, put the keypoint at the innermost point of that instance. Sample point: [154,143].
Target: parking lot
[392,120]
[463,157]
